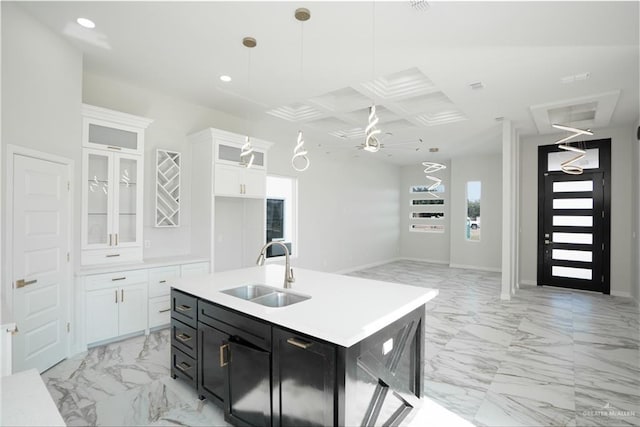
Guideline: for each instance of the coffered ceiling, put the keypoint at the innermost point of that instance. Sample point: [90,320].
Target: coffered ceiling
[441,77]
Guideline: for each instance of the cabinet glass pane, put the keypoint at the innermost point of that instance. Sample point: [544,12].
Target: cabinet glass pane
[127,207]
[97,197]
[231,153]
[114,137]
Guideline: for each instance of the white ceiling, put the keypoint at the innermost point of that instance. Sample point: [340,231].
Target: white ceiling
[416,65]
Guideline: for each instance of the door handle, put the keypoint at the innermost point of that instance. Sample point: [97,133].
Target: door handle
[222,349]
[22,283]
[299,343]
[121,295]
[110,239]
[116,239]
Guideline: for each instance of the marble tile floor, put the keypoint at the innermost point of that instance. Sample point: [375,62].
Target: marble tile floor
[548,357]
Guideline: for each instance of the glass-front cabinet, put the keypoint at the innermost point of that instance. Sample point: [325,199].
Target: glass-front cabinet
[112,195]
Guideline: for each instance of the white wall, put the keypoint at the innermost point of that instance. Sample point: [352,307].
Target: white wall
[41,98]
[623,163]
[173,120]
[432,247]
[485,254]
[348,208]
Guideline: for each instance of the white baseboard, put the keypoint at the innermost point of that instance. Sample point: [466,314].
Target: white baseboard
[528,283]
[430,261]
[621,294]
[505,297]
[362,267]
[475,267]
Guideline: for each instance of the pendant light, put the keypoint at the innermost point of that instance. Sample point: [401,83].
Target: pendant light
[300,162]
[570,166]
[246,152]
[371,142]
[430,169]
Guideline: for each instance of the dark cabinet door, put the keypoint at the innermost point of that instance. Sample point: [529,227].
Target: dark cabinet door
[248,400]
[211,374]
[303,380]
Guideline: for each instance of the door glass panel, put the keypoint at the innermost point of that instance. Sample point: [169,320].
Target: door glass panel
[591,159]
[570,255]
[97,199]
[572,221]
[115,137]
[571,272]
[427,214]
[571,186]
[418,202]
[572,203]
[578,238]
[128,203]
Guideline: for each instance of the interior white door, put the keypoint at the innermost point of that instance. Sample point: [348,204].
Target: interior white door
[40,267]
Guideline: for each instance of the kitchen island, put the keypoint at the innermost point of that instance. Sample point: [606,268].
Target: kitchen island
[346,351]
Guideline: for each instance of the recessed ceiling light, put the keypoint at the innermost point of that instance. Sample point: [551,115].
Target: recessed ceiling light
[87,23]
[225,78]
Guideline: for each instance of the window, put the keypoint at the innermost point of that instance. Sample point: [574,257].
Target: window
[474,191]
[281,211]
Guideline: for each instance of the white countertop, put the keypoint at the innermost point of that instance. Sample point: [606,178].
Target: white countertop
[343,310]
[146,263]
[25,401]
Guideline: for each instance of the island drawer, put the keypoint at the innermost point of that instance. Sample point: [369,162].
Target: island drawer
[184,308]
[184,337]
[254,331]
[183,366]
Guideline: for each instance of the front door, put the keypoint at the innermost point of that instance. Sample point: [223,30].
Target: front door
[574,228]
[40,266]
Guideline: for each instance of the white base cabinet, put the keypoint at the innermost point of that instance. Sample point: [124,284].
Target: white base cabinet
[115,305]
[124,302]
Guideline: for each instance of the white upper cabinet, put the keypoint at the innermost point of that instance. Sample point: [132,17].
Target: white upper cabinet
[112,191]
[230,177]
[112,130]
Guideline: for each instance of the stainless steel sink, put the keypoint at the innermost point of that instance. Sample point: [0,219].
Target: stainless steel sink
[266,295]
[249,292]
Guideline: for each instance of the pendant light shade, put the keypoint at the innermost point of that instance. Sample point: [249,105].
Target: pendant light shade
[371,142]
[246,154]
[430,169]
[570,166]
[300,161]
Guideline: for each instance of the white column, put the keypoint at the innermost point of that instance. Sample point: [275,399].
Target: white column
[509,209]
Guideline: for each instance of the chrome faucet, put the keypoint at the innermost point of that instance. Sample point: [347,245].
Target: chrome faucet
[288,271]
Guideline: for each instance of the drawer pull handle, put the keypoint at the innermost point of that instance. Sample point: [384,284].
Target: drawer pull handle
[111,147]
[112,255]
[183,337]
[163,281]
[22,283]
[299,343]
[183,366]
[183,308]
[222,361]
[164,311]
[118,278]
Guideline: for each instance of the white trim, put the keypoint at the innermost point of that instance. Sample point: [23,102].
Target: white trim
[505,297]
[118,117]
[475,267]
[430,261]
[13,150]
[362,267]
[528,283]
[622,294]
